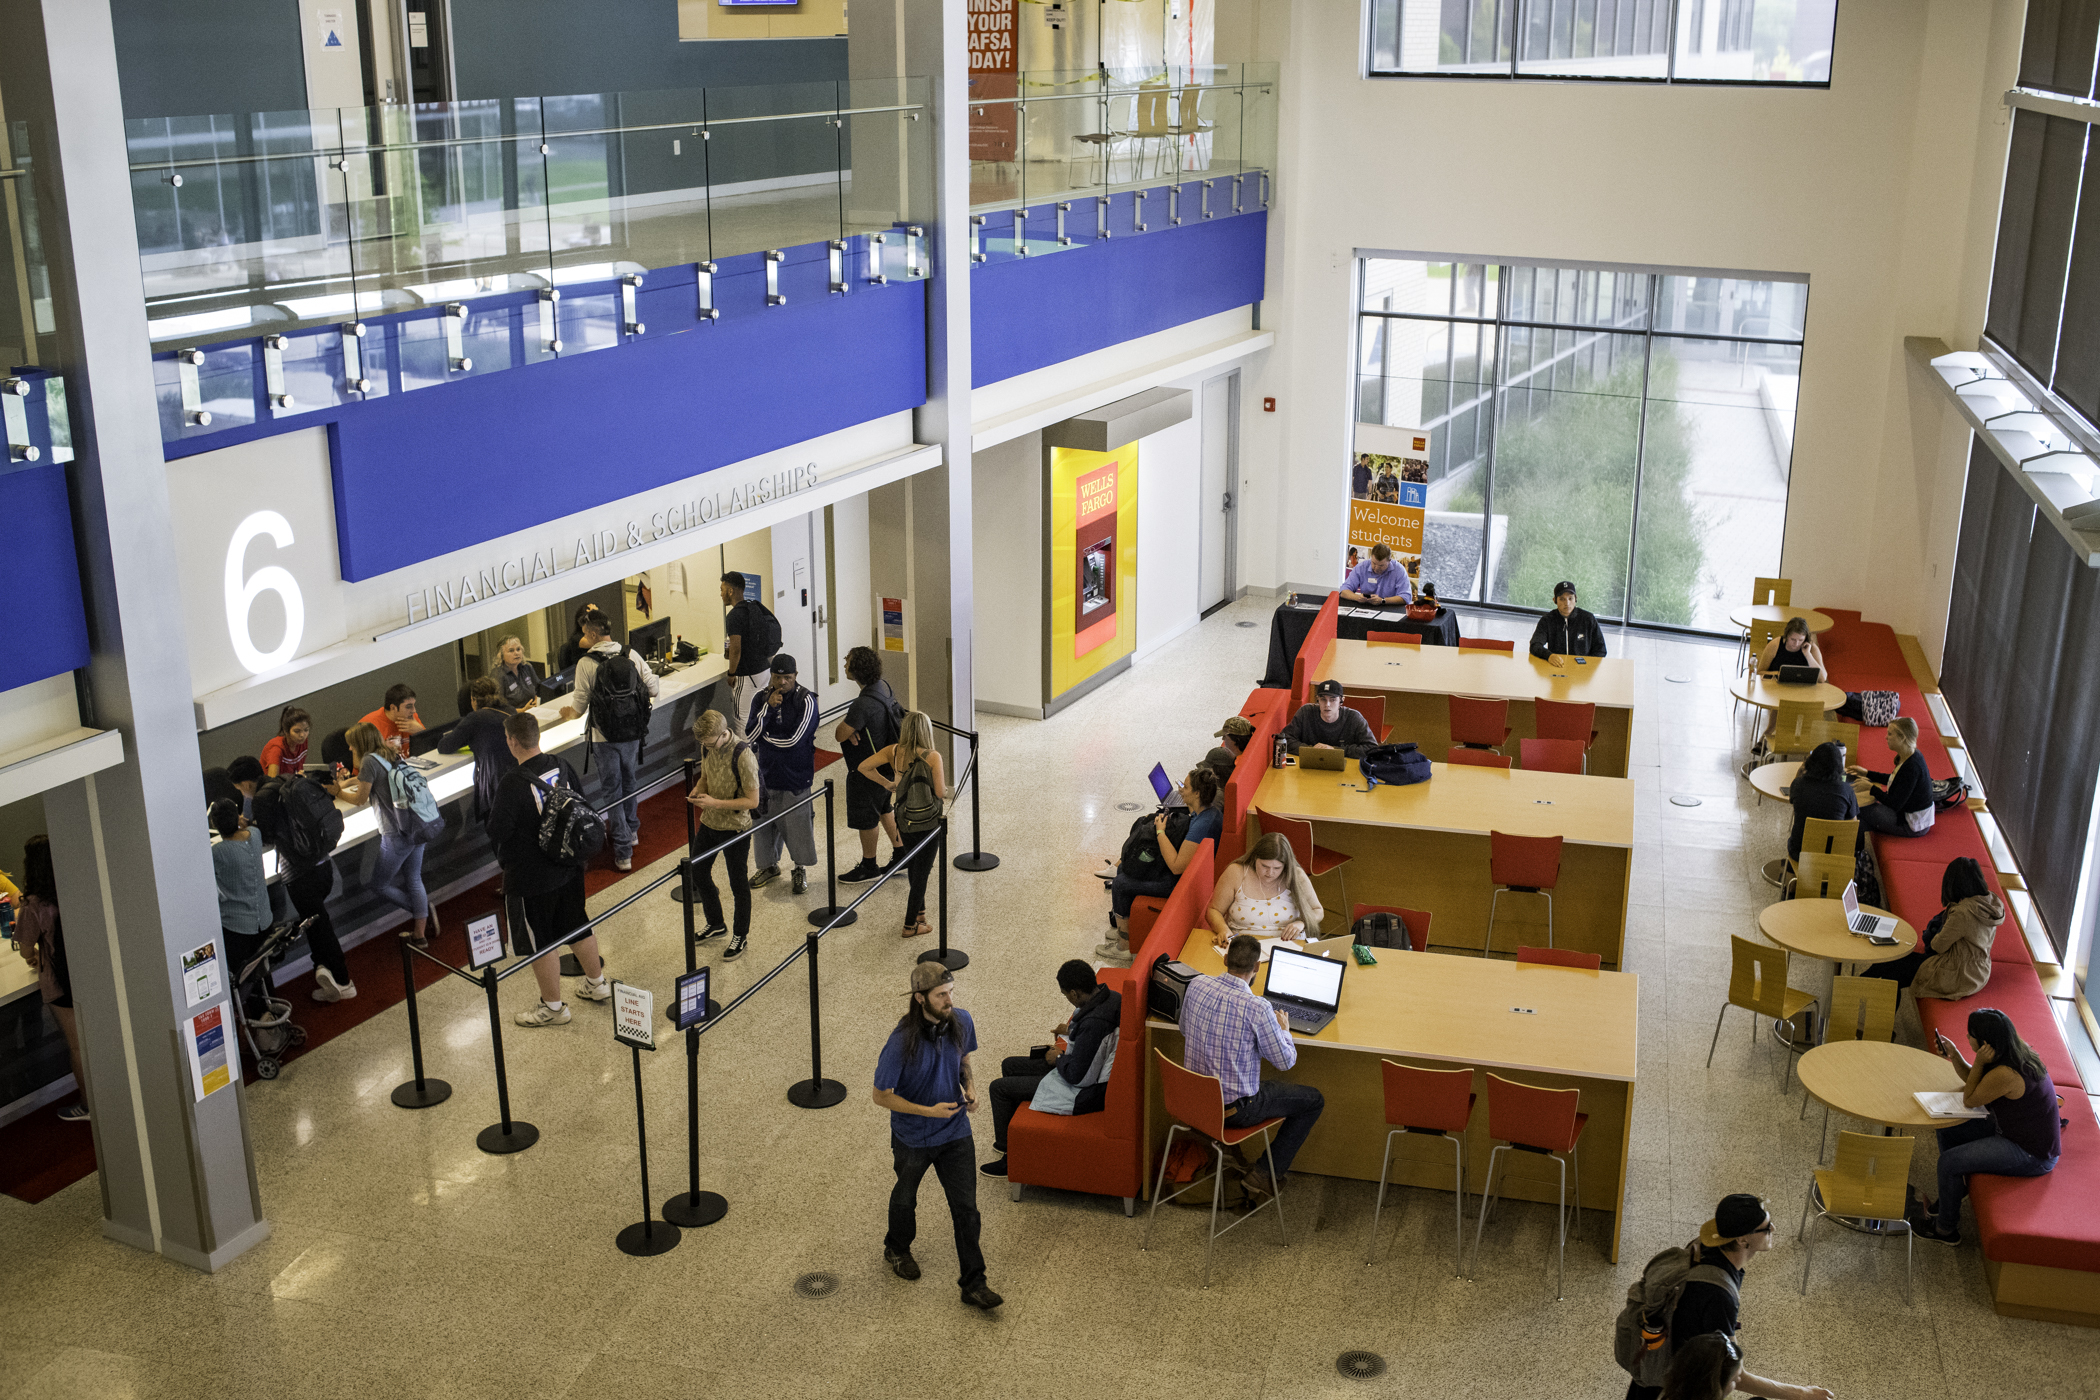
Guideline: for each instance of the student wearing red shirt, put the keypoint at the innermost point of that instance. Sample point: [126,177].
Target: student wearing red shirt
[396,720]
[285,755]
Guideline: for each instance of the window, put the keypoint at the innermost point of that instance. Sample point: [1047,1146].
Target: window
[1627,428]
[1776,42]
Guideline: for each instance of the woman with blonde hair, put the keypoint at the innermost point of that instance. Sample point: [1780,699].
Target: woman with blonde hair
[725,789]
[919,790]
[397,875]
[1266,895]
[1902,798]
[517,680]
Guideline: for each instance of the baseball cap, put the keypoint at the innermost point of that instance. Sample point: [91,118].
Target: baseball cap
[1738,1215]
[783,664]
[1239,727]
[929,975]
[1564,586]
[1325,688]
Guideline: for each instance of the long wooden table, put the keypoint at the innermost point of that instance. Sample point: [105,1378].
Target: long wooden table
[1425,846]
[1418,681]
[1554,1027]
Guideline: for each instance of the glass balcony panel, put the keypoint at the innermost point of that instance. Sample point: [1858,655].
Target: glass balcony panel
[775,167]
[887,156]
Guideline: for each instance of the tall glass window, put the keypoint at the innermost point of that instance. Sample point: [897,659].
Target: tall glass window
[1782,42]
[1631,430]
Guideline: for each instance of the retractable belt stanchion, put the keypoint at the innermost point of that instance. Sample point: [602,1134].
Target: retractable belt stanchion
[694,1207]
[815,1091]
[977,858]
[831,909]
[954,959]
[504,1136]
[683,890]
[419,1092]
[648,1235]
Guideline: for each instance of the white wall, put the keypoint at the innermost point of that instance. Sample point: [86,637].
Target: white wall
[1007,542]
[1883,189]
[1170,490]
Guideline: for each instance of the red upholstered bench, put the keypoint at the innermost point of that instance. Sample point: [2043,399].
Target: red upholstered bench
[1911,890]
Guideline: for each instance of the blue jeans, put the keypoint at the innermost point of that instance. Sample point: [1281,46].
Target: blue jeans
[397,875]
[1974,1146]
[1298,1105]
[618,780]
[794,829]
[1128,890]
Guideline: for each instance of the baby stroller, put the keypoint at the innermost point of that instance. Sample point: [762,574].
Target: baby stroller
[266,1020]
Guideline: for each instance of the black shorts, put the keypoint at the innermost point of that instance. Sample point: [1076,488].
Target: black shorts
[867,801]
[549,917]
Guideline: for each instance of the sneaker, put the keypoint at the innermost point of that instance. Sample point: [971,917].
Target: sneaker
[327,989]
[74,1112]
[736,947]
[762,878]
[1930,1230]
[623,863]
[896,859]
[981,1297]
[597,988]
[1117,956]
[801,885]
[544,1015]
[995,1170]
[862,873]
[902,1265]
[713,931]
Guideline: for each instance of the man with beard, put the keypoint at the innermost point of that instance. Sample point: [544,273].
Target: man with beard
[923,1078]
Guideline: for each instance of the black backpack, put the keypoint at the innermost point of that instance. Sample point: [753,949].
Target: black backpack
[918,800]
[767,627]
[1141,860]
[619,700]
[299,818]
[1383,930]
[570,832]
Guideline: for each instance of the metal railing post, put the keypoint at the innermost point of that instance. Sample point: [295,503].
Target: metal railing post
[815,1091]
[976,858]
[831,909]
[419,1092]
[954,959]
[683,890]
[504,1136]
[647,1236]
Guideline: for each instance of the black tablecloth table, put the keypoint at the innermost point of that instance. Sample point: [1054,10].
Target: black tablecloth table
[1291,622]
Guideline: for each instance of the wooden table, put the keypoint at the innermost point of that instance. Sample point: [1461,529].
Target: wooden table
[1874,1080]
[1774,779]
[1418,681]
[1577,1028]
[1768,612]
[1425,846]
[1815,928]
[1766,693]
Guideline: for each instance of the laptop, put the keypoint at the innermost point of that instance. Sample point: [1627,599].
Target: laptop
[1306,989]
[1797,675]
[1323,760]
[1879,927]
[1169,794]
[1333,947]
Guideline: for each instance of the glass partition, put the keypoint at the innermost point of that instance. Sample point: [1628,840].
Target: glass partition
[35,425]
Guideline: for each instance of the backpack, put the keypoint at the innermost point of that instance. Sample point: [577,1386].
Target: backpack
[299,819]
[619,700]
[918,800]
[407,791]
[570,832]
[1141,847]
[768,628]
[736,769]
[1948,794]
[1382,930]
[1641,1336]
[1398,764]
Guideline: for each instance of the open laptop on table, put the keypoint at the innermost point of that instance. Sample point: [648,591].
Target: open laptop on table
[1797,675]
[1879,927]
[1327,760]
[1307,990]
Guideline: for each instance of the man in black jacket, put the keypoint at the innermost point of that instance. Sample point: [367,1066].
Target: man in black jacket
[1567,630]
[1328,724]
[549,891]
[1099,1014]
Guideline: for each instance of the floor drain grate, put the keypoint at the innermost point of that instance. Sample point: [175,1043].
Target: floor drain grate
[817,1285]
[1680,800]
[1360,1365]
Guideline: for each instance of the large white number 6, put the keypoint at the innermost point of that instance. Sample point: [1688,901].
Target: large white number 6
[240,596]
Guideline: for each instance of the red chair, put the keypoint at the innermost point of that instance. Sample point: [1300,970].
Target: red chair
[1487,644]
[1372,708]
[1561,957]
[1395,639]
[1544,1121]
[1315,860]
[1197,1104]
[1522,865]
[1479,724]
[1551,755]
[1417,922]
[1477,758]
[1434,1103]
[1565,719]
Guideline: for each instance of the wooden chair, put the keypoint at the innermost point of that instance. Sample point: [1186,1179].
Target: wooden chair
[1772,592]
[1550,755]
[1751,645]
[1821,838]
[1487,644]
[1315,860]
[1372,708]
[1394,639]
[1790,727]
[1838,731]
[1866,1182]
[1821,876]
[1561,957]
[1416,920]
[1861,1008]
[1477,758]
[1757,983]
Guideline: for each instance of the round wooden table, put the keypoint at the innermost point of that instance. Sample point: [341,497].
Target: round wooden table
[1815,928]
[1766,694]
[1774,780]
[1768,612]
[1874,1080]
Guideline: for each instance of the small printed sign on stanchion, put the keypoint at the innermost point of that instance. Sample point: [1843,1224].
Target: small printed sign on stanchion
[632,1009]
[632,1006]
[484,942]
[693,1005]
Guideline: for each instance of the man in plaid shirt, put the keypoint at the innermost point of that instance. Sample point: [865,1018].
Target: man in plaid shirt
[1228,1032]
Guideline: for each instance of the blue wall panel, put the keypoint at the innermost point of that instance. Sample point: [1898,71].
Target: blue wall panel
[40,577]
[1030,312]
[421,474]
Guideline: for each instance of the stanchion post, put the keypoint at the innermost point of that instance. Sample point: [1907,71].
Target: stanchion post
[648,1235]
[815,1091]
[831,909]
[954,959]
[418,1092]
[696,1207]
[504,1136]
[976,858]
[683,890]
[692,943]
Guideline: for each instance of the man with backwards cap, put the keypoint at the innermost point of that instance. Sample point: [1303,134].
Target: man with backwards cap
[923,1078]
[1567,630]
[1741,1228]
[781,726]
[1327,724]
[1232,737]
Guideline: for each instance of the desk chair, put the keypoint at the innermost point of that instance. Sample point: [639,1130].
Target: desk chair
[1487,644]
[1316,860]
[1521,865]
[1550,755]
[1822,838]
[1542,1121]
[1394,639]
[1196,1102]
[1372,708]
[1821,876]
[1757,983]
[1789,733]
[1865,1183]
[1564,719]
[1432,1103]
[1416,920]
[1478,723]
[1861,1008]
[1561,957]
[1155,122]
[1756,637]
[1477,758]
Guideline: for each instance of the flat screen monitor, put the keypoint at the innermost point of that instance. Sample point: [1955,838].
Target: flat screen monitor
[651,638]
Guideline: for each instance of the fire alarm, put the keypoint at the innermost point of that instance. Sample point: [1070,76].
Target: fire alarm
[1268,405]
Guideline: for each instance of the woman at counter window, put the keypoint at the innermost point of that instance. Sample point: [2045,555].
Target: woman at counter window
[517,679]
[285,755]
[1266,895]
[43,944]
[1902,804]
[2023,1134]
[397,876]
[1953,956]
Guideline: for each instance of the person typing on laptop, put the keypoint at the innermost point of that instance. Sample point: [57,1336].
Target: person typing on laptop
[1326,724]
[1154,867]
[1228,1032]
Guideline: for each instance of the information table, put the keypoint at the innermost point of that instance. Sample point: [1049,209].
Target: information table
[1290,623]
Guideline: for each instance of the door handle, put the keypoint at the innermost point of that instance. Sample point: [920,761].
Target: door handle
[1228,501]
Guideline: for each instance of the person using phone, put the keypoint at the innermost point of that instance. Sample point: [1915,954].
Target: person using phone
[2022,1134]
[1793,647]
[1081,1068]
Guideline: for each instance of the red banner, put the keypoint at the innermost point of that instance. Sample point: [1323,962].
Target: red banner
[995,77]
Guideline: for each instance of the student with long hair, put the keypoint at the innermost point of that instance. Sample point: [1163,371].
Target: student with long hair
[1822,792]
[917,792]
[1902,804]
[43,944]
[2023,1134]
[1158,875]
[397,875]
[1793,647]
[725,790]
[1953,956]
[1266,895]
[285,754]
[1704,1367]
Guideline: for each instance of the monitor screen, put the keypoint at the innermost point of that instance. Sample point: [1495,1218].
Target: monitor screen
[651,637]
[1161,783]
[1300,975]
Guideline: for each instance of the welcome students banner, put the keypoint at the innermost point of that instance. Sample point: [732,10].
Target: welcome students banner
[1388,495]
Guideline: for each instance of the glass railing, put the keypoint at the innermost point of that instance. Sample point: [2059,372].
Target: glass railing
[259,223]
[34,424]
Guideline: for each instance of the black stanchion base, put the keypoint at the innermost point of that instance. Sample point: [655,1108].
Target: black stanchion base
[977,861]
[678,893]
[694,1209]
[955,959]
[714,1009]
[821,917]
[817,1093]
[433,1093]
[647,1237]
[494,1141]
[572,968]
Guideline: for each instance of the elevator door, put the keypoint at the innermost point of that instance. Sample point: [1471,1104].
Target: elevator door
[1219,534]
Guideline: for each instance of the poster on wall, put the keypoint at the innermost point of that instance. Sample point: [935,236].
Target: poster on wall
[1388,495]
[995,79]
[213,1060]
[1093,562]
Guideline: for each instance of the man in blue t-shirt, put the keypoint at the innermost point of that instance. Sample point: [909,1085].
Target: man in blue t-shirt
[923,1078]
